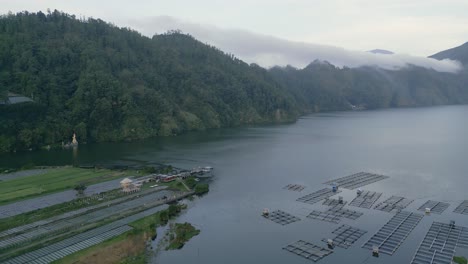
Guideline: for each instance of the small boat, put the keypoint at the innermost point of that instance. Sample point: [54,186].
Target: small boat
[266,212]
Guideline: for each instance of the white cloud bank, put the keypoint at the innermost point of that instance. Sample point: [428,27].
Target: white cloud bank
[269,51]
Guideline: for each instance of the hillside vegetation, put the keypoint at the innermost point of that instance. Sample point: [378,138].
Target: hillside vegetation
[111,84]
[323,87]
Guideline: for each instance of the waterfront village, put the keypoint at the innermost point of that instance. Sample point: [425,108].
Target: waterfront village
[129,186]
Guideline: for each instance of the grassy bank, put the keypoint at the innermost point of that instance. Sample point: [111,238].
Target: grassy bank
[114,250]
[181,234]
[54,180]
[128,248]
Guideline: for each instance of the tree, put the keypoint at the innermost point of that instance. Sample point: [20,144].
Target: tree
[80,188]
[201,188]
[81,132]
[164,217]
[25,138]
[173,210]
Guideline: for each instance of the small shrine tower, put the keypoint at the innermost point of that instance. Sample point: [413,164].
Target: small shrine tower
[74,141]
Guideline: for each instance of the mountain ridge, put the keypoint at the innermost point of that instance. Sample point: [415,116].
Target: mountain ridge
[459,53]
[381,51]
[106,83]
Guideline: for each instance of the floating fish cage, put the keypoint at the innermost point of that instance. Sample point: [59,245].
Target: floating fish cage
[317,196]
[345,236]
[356,180]
[282,217]
[334,202]
[346,213]
[324,216]
[462,208]
[365,199]
[389,238]
[294,187]
[433,207]
[334,214]
[440,243]
[308,250]
[393,204]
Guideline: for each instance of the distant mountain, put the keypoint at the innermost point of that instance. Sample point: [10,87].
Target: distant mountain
[381,51]
[459,53]
[324,87]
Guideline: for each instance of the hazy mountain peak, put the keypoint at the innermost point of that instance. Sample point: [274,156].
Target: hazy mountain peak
[459,53]
[381,51]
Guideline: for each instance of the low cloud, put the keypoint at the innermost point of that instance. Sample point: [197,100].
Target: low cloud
[269,51]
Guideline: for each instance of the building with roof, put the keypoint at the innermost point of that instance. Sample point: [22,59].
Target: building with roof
[128,186]
[13,98]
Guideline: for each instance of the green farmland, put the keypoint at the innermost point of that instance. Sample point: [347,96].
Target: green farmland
[54,180]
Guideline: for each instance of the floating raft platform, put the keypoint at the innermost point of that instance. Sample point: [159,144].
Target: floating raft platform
[346,236]
[389,238]
[357,180]
[333,202]
[462,208]
[366,199]
[282,217]
[393,204]
[436,207]
[317,196]
[294,187]
[308,250]
[324,216]
[440,243]
[346,213]
[334,214]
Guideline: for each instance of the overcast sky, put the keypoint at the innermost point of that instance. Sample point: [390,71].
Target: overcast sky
[415,27]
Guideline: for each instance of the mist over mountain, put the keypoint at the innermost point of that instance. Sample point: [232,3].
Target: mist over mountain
[270,51]
[111,84]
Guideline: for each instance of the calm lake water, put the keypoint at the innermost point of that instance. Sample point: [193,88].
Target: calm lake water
[423,150]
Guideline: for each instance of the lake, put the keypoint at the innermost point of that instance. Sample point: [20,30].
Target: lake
[423,150]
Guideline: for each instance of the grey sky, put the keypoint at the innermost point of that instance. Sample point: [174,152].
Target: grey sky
[416,27]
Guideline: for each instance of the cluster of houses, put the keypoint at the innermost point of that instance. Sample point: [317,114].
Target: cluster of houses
[130,186]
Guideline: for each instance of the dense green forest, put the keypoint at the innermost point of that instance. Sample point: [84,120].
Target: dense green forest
[110,84]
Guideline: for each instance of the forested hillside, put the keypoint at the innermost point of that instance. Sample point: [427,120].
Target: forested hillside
[110,84]
[323,87]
